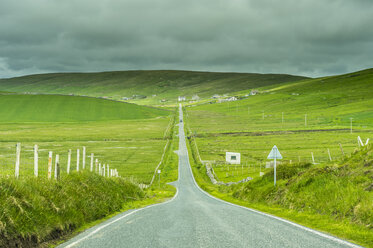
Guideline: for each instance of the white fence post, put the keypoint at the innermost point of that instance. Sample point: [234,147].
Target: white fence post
[18,159]
[99,169]
[96,164]
[50,165]
[55,165]
[83,157]
[104,170]
[108,175]
[77,159]
[91,162]
[68,161]
[36,160]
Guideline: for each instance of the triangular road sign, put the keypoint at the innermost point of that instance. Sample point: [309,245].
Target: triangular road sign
[274,154]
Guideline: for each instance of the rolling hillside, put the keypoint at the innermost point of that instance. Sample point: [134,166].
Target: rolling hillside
[57,108]
[154,85]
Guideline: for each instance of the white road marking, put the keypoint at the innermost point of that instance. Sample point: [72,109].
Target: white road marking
[340,241]
[120,218]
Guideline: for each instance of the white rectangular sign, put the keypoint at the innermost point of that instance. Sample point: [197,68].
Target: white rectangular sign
[233,157]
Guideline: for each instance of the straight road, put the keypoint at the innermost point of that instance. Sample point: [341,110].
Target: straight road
[195,219]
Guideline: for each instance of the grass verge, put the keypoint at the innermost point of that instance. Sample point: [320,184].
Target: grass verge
[350,221]
[36,211]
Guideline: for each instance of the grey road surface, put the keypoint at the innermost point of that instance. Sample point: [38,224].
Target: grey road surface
[195,219]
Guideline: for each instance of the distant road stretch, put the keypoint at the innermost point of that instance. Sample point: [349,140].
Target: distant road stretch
[195,219]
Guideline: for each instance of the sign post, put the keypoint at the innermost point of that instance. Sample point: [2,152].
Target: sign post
[274,154]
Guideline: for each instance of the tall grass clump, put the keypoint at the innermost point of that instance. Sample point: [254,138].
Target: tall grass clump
[36,210]
[343,190]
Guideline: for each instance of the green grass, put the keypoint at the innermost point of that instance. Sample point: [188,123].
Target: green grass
[328,102]
[333,198]
[35,210]
[56,108]
[126,136]
[155,85]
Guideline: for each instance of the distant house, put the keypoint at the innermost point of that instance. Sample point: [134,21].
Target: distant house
[125,98]
[195,98]
[253,92]
[232,98]
[163,100]
[181,98]
[216,96]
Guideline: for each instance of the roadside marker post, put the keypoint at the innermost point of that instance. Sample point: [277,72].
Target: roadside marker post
[274,154]
[159,177]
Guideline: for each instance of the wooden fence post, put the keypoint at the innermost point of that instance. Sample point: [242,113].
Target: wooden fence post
[18,159]
[68,161]
[330,157]
[58,172]
[36,160]
[55,165]
[50,165]
[83,157]
[91,169]
[340,145]
[77,159]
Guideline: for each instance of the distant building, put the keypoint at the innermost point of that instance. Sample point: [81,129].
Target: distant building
[253,92]
[216,96]
[232,98]
[195,98]
[181,98]
[163,100]
[125,98]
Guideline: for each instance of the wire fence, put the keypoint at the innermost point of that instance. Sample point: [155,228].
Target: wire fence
[31,160]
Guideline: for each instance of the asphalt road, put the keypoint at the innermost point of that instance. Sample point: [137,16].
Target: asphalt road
[195,219]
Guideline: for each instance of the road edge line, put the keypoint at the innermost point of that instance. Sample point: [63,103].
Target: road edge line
[324,235]
[118,219]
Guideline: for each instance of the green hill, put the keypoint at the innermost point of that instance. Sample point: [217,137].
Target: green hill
[154,85]
[58,108]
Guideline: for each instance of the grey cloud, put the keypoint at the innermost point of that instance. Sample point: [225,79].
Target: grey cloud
[303,37]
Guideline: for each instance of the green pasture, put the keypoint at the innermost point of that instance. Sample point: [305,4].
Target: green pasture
[310,116]
[149,87]
[127,137]
[57,108]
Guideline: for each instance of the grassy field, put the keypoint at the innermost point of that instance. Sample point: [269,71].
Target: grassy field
[128,137]
[154,85]
[252,126]
[57,108]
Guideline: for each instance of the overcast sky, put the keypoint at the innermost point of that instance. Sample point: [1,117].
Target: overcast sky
[304,37]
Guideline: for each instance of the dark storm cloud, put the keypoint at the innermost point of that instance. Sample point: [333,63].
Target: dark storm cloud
[289,36]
